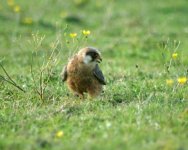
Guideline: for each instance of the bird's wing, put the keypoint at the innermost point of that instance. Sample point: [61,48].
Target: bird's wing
[64,74]
[99,75]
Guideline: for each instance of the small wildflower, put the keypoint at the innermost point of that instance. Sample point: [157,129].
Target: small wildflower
[169,81]
[182,80]
[27,20]
[174,55]
[63,14]
[73,35]
[59,134]
[86,32]
[10,2]
[16,9]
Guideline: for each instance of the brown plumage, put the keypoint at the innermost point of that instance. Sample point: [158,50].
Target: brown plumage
[83,74]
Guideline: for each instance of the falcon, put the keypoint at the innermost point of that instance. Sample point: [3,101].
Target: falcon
[82,73]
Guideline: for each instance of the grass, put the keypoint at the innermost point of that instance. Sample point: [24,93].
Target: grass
[138,110]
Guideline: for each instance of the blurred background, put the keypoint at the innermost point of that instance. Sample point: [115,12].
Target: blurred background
[126,29]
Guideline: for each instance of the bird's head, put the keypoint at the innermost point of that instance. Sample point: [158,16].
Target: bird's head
[90,55]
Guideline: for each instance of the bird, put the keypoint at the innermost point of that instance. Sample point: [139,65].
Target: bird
[82,73]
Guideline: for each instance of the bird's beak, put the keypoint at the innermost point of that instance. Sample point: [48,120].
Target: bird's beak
[99,59]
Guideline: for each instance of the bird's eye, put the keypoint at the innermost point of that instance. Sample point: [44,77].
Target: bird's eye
[95,55]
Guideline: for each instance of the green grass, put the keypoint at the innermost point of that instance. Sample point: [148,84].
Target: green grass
[138,110]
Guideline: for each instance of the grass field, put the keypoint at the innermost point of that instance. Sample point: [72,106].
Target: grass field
[145,63]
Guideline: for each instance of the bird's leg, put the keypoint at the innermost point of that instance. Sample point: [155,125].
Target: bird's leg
[76,94]
[79,95]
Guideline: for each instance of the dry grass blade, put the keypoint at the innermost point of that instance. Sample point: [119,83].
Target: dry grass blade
[10,80]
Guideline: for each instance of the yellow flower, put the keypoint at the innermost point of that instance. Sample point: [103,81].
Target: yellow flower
[86,32]
[59,134]
[27,20]
[73,35]
[16,9]
[63,14]
[182,80]
[169,81]
[10,2]
[174,55]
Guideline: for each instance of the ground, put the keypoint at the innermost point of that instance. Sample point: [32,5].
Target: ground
[144,49]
